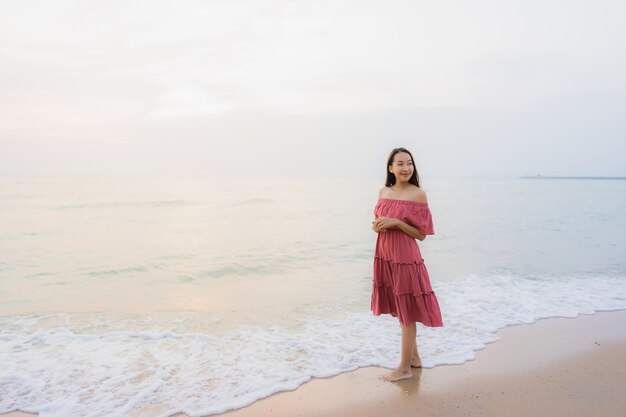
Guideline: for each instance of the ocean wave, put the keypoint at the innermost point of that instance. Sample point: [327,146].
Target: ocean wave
[65,372]
[118,271]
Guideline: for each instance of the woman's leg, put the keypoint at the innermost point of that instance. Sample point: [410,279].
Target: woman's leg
[416,361]
[403,370]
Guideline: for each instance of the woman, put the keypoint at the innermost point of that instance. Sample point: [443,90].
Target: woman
[401,286]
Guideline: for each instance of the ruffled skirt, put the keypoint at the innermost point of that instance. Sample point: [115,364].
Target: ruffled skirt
[403,290]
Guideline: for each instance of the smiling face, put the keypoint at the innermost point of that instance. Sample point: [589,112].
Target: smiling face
[402,167]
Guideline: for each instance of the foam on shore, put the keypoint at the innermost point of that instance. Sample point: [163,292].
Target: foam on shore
[60,372]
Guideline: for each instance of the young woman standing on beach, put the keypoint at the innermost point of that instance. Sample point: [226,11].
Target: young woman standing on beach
[401,285]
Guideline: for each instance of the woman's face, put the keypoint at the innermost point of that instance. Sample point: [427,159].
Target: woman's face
[402,167]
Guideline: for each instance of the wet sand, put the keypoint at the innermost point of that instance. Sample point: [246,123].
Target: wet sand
[554,367]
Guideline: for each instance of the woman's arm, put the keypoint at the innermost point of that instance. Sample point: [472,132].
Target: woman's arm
[382,223]
[410,230]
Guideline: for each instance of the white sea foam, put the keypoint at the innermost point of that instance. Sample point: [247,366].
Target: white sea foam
[62,373]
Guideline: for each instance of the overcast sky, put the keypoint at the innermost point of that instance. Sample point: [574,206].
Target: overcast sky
[474,88]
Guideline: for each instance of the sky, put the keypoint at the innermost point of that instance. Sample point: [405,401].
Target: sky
[475,89]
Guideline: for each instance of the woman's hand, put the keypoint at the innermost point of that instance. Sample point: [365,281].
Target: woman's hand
[383,223]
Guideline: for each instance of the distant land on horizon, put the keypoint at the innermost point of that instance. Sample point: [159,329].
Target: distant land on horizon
[557,177]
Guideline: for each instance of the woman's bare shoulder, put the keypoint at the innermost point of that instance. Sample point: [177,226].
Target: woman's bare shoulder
[418,195]
[383,192]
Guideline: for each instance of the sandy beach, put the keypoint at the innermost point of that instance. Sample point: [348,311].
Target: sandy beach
[554,367]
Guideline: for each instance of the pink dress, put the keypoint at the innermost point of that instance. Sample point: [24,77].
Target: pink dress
[401,286]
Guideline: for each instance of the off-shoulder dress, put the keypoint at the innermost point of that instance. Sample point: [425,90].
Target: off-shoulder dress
[401,285]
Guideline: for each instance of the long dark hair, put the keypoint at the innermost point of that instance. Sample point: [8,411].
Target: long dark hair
[391,178]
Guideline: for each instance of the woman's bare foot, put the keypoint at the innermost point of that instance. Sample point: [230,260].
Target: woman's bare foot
[397,375]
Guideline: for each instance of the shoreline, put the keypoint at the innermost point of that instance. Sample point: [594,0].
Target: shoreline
[577,369]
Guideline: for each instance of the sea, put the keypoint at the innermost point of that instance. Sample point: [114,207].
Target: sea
[150,296]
